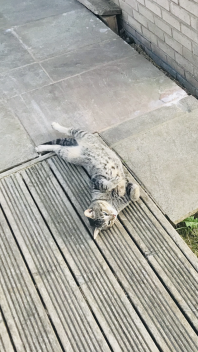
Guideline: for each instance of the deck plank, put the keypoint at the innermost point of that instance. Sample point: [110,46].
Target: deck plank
[66,306]
[167,260]
[156,306]
[115,314]
[90,289]
[5,342]
[25,315]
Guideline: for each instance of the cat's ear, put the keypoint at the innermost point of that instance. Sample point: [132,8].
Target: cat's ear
[96,232]
[89,213]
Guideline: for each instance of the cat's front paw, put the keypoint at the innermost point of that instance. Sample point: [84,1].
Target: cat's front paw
[115,180]
[55,126]
[39,149]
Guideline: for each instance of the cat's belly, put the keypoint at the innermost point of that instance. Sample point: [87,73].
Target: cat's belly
[121,188]
[112,169]
[72,154]
[102,162]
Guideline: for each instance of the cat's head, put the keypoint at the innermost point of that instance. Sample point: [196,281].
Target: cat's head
[101,216]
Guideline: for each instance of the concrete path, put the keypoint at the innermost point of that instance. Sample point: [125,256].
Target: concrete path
[64,64]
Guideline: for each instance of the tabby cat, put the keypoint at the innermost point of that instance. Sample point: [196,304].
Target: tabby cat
[110,190]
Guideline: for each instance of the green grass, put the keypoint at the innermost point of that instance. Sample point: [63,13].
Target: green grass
[188,230]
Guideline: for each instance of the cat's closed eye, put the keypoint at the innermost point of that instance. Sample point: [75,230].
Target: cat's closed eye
[105,213]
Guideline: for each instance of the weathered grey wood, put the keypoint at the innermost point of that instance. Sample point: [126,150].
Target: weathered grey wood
[166,259]
[26,317]
[41,248]
[12,323]
[171,231]
[5,342]
[102,7]
[25,165]
[66,306]
[156,307]
[118,319]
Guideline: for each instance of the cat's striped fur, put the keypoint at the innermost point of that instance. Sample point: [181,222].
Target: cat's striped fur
[110,190]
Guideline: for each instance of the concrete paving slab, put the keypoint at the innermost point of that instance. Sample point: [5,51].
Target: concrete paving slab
[97,99]
[32,10]
[3,23]
[102,7]
[23,79]
[164,157]
[63,33]
[140,124]
[15,145]
[12,53]
[117,92]
[37,113]
[87,58]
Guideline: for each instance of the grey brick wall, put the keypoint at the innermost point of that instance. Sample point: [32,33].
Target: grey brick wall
[168,31]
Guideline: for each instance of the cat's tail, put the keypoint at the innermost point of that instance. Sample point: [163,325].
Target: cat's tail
[66,142]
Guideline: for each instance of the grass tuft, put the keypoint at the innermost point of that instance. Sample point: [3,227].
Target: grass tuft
[188,230]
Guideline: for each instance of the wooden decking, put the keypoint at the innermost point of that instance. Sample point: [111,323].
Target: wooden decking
[133,289]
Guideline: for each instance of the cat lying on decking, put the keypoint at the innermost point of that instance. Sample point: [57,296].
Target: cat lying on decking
[111,192]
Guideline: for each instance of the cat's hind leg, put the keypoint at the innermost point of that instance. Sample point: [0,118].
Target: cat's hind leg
[102,184]
[61,129]
[47,148]
[71,132]
[133,191]
[70,154]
